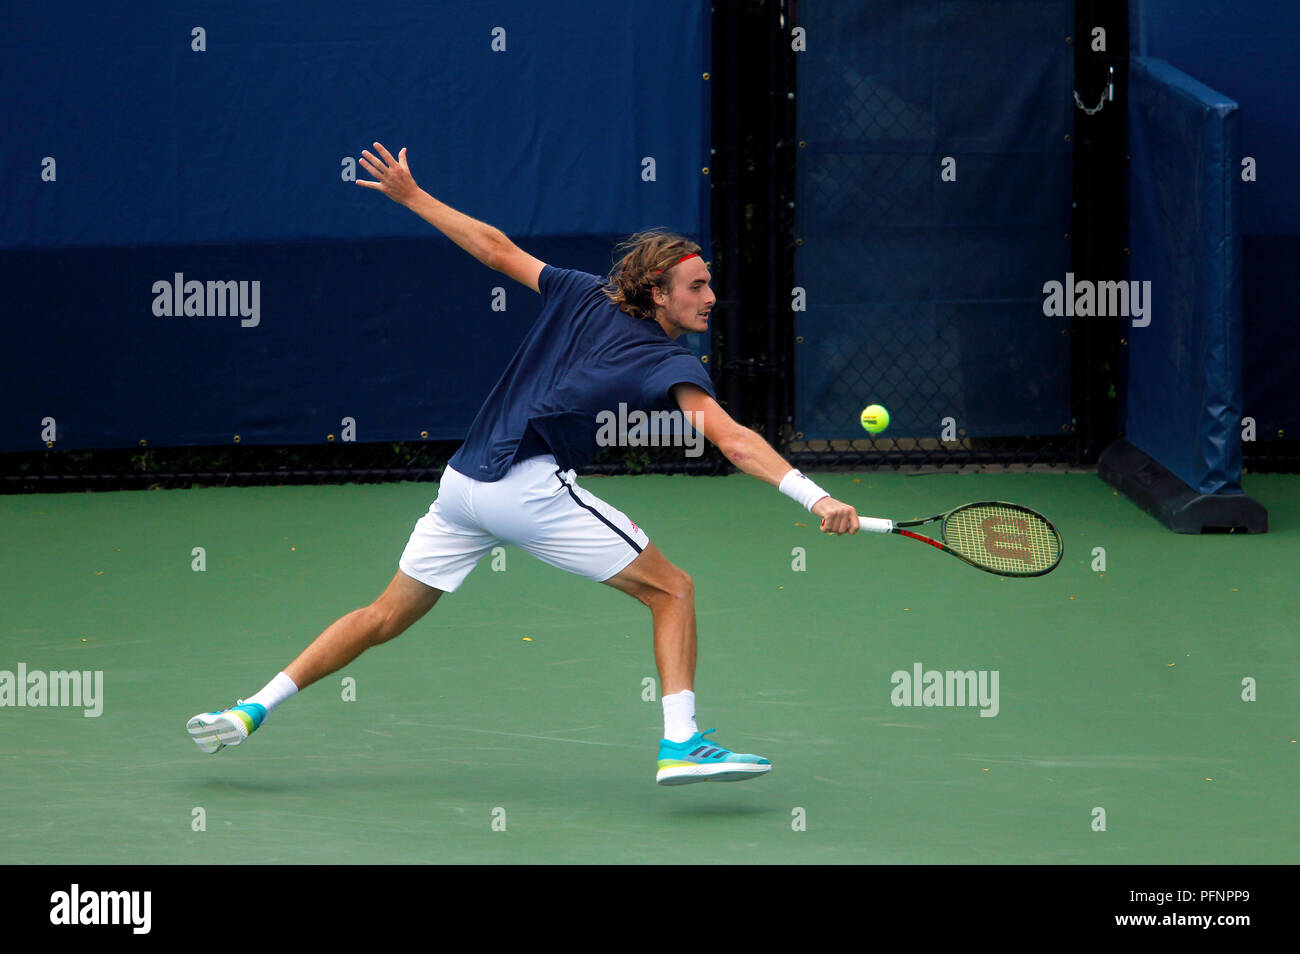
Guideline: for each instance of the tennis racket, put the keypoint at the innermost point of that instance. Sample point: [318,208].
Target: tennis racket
[994,536]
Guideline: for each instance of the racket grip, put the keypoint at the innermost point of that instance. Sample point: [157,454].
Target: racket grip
[875,524]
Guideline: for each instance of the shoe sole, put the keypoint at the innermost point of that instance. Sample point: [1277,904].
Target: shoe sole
[212,733]
[687,774]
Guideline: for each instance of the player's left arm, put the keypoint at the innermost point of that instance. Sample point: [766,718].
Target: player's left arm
[747,449]
[519,265]
[487,243]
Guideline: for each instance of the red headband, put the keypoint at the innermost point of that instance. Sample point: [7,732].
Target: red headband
[659,271]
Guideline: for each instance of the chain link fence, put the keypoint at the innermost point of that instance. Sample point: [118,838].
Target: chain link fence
[176,468]
[933,199]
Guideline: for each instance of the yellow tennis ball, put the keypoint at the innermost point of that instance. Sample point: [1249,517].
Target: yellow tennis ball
[875,418]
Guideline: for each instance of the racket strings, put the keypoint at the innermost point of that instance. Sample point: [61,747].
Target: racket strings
[1004,539]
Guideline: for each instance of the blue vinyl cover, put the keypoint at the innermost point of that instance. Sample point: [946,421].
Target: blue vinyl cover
[1247,50]
[1184,397]
[230,163]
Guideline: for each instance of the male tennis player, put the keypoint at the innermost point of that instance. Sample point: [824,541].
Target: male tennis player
[596,344]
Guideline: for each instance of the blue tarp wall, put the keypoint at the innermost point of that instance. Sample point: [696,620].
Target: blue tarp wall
[922,294]
[1183,403]
[1246,50]
[132,156]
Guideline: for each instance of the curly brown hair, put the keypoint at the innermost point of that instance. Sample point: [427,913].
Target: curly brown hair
[647,261]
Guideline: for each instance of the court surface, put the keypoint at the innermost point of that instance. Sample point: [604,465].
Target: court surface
[510,725]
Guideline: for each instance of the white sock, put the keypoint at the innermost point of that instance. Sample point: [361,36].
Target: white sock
[679,716]
[274,693]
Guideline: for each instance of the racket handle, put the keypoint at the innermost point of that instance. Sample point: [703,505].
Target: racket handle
[875,524]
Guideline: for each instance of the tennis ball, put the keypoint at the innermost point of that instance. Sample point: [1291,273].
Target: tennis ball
[875,418]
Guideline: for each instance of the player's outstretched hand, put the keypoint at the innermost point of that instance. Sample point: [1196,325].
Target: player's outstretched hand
[393,176]
[837,517]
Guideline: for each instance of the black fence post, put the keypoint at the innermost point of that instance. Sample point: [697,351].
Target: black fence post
[781,150]
[1100,216]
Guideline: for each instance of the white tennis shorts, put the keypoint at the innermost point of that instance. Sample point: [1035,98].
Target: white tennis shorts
[535,507]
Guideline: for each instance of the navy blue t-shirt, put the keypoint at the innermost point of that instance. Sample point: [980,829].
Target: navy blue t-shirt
[582,357]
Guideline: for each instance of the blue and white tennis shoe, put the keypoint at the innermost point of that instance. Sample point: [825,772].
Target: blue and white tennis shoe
[696,760]
[213,731]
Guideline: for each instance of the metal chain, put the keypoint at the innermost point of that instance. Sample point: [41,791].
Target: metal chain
[1091,112]
[1107,94]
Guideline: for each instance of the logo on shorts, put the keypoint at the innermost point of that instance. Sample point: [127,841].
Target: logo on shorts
[634,526]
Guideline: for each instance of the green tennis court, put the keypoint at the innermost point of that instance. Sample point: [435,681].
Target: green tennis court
[515,722]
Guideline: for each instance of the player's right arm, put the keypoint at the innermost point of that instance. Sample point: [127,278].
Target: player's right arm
[747,449]
[487,243]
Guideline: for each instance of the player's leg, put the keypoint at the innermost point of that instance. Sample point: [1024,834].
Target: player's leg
[548,515]
[442,550]
[669,592]
[684,754]
[404,602]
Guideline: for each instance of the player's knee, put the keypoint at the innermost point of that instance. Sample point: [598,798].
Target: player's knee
[384,622]
[390,617]
[676,586]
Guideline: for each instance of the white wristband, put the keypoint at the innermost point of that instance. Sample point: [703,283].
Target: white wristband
[802,490]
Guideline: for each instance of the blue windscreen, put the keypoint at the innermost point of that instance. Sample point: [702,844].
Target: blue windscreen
[1183,405]
[1246,49]
[153,145]
[934,189]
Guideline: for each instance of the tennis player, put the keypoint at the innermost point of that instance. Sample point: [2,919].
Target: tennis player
[597,343]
